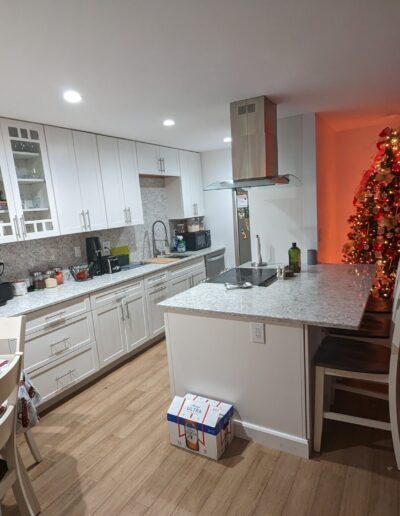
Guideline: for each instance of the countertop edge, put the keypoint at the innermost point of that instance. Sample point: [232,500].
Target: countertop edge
[114,281]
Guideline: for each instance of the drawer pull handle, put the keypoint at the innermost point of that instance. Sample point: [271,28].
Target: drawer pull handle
[55,351]
[55,323]
[158,290]
[69,373]
[58,314]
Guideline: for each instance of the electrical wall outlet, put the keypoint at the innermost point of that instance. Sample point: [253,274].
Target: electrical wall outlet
[77,251]
[257,333]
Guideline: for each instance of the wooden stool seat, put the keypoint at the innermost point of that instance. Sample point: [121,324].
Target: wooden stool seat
[372,326]
[352,355]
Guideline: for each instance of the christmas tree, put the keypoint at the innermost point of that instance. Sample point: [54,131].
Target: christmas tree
[374,235]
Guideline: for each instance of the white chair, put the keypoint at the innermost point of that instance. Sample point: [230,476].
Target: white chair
[356,359]
[15,475]
[7,346]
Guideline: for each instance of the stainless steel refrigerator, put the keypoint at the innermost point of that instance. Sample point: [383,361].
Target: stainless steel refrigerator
[242,226]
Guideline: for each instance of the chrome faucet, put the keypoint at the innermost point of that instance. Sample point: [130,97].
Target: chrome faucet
[156,252]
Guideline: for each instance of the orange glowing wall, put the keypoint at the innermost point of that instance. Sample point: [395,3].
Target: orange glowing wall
[342,158]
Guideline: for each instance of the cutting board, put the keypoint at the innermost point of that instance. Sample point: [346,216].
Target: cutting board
[160,260]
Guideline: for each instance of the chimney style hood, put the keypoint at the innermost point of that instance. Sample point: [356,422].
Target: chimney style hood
[254,146]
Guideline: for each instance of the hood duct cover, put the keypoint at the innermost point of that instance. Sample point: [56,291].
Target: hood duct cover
[254,146]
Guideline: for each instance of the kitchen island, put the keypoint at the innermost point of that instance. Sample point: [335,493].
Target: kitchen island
[253,348]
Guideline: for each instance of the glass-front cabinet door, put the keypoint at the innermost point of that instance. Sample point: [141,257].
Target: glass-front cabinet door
[30,178]
[9,228]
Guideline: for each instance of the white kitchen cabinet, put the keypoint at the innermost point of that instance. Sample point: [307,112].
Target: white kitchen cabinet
[120,181]
[9,226]
[110,332]
[179,284]
[65,180]
[62,374]
[77,182]
[130,181]
[170,161]
[91,186]
[112,181]
[154,296]
[198,276]
[136,324]
[155,160]
[32,206]
[185,197]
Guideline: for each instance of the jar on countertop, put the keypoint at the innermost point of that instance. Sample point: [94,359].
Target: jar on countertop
[58,273]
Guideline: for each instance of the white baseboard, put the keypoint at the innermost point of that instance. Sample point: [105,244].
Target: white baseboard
[273,439]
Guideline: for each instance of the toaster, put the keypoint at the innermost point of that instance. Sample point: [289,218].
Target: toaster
[110,264]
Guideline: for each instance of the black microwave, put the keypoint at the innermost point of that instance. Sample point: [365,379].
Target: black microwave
[197,240]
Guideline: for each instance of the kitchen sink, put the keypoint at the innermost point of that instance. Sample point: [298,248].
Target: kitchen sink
[177,255]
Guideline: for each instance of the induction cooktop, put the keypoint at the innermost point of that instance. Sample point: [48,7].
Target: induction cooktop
[238,275]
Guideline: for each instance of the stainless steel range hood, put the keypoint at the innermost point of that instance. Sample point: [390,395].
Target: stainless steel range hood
[254,147]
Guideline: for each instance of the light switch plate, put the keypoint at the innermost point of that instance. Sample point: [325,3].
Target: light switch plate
[257,333]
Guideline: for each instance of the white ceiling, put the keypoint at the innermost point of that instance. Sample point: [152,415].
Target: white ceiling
[137,62]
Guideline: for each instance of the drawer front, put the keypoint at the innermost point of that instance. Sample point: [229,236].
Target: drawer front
[186,269]
[42,348]
[115,294]
[49,318]
[60,375]
[157,280]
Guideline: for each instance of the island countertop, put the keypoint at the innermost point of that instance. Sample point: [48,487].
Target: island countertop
[321,295]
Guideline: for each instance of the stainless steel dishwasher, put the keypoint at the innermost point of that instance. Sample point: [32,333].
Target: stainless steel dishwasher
[215,263]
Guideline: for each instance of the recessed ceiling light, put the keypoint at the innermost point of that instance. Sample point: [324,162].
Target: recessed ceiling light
[72,96]
[168,122]
[227,139]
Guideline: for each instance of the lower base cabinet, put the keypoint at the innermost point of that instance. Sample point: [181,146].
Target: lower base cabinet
[58,376]
[109,328]
[136,323]
[156,313]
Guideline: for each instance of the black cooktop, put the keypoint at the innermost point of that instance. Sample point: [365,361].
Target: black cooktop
[238,275]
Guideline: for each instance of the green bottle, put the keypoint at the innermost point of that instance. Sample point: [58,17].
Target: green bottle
[295,258]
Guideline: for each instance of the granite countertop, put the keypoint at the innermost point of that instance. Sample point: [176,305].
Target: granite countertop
[322,295]
[71,289]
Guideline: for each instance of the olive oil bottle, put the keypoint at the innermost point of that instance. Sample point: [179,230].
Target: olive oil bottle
[295,258]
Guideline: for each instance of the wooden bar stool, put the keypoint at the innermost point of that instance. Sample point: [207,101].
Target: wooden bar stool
[12,468]
[342,357]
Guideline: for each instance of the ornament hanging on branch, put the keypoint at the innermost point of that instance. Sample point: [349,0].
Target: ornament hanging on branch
[374,235]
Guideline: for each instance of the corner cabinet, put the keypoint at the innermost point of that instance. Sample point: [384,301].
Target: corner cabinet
[155,160]
[27,204]
[185,197]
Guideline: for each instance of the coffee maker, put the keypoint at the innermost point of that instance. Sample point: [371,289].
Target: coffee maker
[93,253]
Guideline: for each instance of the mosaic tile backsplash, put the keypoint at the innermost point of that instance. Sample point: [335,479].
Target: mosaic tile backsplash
[22,257]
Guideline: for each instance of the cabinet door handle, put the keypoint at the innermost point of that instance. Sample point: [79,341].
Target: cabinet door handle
[16,227]
[163,165]
[127,311]
[23,226]
[88,220]
[130,216]
[159,164]
[122,313]
[83,221]
[158,290]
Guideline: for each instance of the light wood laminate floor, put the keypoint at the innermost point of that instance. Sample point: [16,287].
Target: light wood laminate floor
[106,452]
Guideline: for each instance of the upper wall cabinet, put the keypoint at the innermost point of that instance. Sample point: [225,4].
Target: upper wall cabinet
[28,204]
[76,177]
[120,181]
[157,161]
[185,197]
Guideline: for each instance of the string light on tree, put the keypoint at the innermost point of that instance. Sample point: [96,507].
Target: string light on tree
[374,235]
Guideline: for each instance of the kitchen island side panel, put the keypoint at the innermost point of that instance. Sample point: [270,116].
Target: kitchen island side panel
[215,357]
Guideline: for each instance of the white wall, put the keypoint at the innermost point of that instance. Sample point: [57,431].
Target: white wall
[279,214]
[217,165]
[285,214]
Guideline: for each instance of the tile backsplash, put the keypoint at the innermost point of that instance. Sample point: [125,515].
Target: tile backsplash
[22,257]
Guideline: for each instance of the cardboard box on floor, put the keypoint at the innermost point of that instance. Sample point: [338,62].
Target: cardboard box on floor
[200,425]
